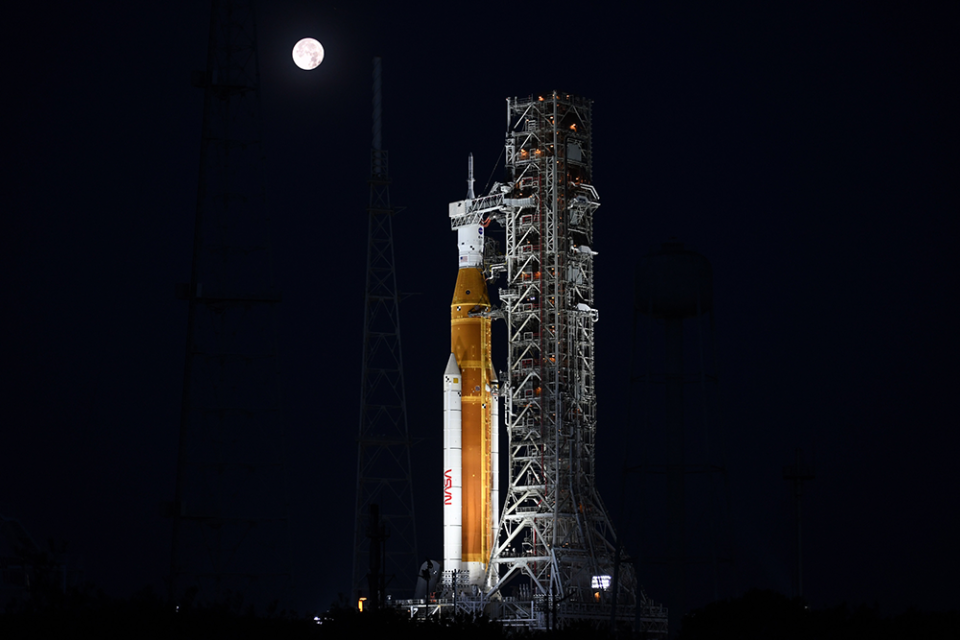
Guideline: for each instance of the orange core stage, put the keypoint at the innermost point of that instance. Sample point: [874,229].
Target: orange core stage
[470,345]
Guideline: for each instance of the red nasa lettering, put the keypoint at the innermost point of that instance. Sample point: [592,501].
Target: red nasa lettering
[447,485]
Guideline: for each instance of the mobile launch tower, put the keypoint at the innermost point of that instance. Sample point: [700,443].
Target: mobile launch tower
[554,528]
[554,539]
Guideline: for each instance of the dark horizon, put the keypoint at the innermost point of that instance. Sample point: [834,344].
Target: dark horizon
[808,151]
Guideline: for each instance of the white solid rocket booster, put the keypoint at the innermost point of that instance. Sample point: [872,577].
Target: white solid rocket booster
[452,483]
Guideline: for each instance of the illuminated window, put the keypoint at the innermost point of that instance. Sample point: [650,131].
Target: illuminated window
[600,582]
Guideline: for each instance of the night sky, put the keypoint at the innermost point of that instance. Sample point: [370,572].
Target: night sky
[809,150]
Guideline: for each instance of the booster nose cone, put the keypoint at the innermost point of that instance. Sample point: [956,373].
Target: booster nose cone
[452,368]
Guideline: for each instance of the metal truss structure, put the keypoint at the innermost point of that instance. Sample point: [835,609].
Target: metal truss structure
[230,513]
[383,445]
[554,528]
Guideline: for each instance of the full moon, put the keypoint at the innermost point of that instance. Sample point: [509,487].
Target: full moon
[308,54]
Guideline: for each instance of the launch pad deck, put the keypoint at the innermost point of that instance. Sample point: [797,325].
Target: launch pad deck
[537,614]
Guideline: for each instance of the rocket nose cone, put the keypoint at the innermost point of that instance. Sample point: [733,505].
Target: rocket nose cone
[452,368]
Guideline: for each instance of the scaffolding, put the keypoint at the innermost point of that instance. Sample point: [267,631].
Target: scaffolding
[554,529]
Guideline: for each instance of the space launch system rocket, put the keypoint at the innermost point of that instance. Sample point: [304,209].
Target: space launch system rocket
[470,411]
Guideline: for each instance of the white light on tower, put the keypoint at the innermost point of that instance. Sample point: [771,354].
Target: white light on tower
[600,582]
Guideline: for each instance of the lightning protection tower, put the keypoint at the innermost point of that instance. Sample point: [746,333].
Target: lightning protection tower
[383,445]
[554,530]
[230,527]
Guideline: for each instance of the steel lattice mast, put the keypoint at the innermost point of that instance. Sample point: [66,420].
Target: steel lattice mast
[383,446]
[230,514]
[554,528]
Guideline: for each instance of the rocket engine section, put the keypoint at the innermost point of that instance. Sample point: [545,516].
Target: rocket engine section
[471,418]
